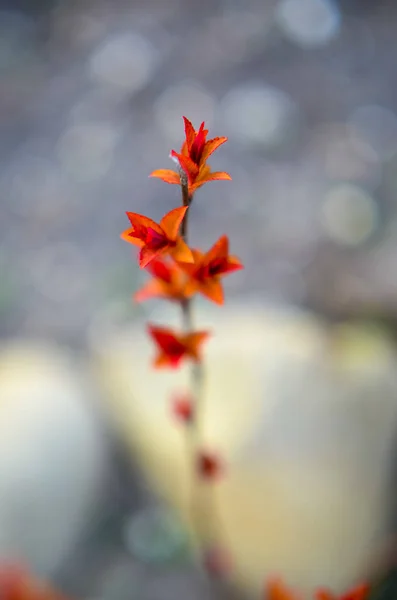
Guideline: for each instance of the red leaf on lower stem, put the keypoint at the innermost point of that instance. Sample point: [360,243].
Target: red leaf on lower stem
[174,347]
[16,583]
[217,562]
[360,592]
[182,408]
[276,590]
[208,465]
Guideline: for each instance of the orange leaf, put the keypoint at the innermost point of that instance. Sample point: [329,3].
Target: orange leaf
[140,226]
[152,289]
[171,222]
[324,595]
[213,290]
[194,341]
[360,592]
[167,175]
[191,266]
[181,252]
[219,249]
[206,177]
[207,269]
[156,239]
[168,281]
[276,590]
[128,236]
[192,158]
[211,146]
[147,254]
[18,584]
[218,175]
[139,221]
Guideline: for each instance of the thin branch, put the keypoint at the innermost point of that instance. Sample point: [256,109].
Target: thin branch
[193,433]
[202,519]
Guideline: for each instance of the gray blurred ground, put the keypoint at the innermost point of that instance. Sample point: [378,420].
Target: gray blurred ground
[91,99]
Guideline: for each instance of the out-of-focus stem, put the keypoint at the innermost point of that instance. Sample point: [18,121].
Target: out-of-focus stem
[205,521]
[193,431]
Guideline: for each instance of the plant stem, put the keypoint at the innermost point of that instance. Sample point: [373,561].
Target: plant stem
[193,432]
[205,520]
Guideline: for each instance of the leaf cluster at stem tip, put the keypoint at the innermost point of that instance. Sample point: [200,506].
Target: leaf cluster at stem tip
[179,272]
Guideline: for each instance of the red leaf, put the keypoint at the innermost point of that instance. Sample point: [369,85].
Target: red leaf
[167,175]
[209,466]
[217,562]
[172,221]
[173,347]
[182,408]
[192,158]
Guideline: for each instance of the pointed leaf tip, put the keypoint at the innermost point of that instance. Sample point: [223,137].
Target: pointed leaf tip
[166,175]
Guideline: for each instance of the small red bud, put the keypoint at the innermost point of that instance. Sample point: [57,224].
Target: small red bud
[208,465]
[182,408]
[217,562]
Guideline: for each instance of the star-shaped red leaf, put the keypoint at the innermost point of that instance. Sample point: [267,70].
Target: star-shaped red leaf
[207,270]
[192,159]
[173,347]
[156,239]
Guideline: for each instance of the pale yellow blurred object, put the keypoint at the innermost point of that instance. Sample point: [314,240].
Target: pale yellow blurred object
[51,454]
[304,416]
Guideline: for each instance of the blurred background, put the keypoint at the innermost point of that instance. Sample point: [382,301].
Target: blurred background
[91,101]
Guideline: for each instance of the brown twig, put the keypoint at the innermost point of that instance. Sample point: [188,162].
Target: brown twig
[204,516]
[193,431]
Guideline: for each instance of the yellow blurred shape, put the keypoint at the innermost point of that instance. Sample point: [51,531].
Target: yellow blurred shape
[304,416]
